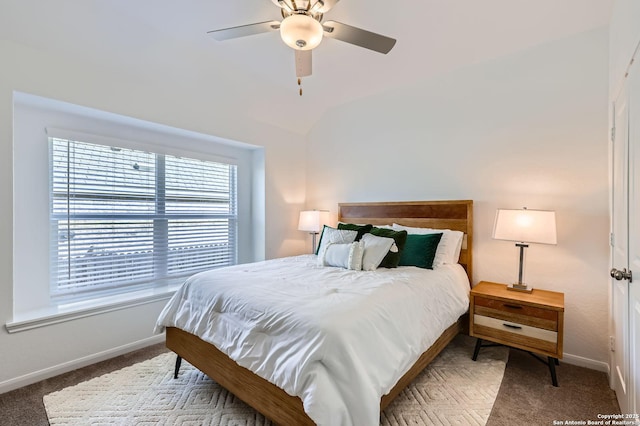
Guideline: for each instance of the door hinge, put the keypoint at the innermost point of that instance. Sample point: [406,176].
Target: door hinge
[612,239]
[612,343]
[613,134]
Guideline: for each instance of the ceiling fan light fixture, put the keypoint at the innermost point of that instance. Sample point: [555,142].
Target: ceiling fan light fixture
[301,32]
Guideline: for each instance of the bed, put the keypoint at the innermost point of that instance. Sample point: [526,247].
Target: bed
[272,400]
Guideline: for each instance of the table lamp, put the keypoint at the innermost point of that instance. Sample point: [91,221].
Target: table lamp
[313,221]
[525,226]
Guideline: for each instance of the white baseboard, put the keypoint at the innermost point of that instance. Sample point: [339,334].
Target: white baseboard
[586,362]
[36,376]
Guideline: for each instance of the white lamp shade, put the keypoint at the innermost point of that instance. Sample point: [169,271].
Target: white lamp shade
[301,32]
[313,220]
[527,226]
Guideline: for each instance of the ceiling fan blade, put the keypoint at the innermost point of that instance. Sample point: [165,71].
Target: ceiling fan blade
[359,37]
[303,63]
[244,30]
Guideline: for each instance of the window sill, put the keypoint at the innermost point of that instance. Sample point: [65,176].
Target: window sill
[71,311]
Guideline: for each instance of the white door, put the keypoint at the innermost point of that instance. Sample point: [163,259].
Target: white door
[634,239]
[619,255]
[625,256]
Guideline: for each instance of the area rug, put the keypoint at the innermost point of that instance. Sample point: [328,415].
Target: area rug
[453,389]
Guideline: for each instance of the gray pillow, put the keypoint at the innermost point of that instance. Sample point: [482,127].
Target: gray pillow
[333,235]
[375,249]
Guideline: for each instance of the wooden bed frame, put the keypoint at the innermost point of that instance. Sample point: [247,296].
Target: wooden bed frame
[275,403]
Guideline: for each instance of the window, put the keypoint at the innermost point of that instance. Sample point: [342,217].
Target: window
[67,261]
[122,219]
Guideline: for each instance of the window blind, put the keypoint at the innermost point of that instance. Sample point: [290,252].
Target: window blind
[124,218]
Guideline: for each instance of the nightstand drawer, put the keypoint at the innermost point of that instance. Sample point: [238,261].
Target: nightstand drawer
[513,332]
[516,312]
[515,328]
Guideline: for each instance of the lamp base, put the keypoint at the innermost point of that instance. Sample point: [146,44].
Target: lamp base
[520,287]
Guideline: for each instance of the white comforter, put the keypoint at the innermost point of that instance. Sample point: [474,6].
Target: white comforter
[336,338]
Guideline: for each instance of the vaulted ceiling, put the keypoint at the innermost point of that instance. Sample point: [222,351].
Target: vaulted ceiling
[169,36]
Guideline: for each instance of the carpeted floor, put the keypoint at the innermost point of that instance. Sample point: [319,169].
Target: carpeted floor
[525,396]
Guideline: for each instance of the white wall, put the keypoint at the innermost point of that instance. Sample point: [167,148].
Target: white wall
[193,102]
[624,36]
[529,129]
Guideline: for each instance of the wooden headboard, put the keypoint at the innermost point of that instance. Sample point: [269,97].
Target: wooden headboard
[454,214]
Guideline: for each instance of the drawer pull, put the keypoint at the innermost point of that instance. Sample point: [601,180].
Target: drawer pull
[517,327]
[511,306]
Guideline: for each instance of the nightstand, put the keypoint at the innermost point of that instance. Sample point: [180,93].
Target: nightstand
[532,322]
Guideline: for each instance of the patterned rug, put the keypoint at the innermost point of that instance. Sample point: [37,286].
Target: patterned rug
[452,390]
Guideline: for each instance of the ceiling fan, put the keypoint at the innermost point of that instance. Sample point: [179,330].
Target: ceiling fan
[302,29]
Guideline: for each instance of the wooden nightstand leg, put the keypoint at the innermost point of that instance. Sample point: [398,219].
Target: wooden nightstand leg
[479,345]
[177,369]
[552,369]
[476,351]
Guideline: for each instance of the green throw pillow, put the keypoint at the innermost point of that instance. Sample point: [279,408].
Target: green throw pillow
[420,250]
[362,229]
[392,259]
[320,240]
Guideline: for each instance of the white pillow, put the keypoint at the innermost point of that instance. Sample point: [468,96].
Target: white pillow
[356,255]
[449,247]
[333,235]
[375,249]
[348,256]
[384,226]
